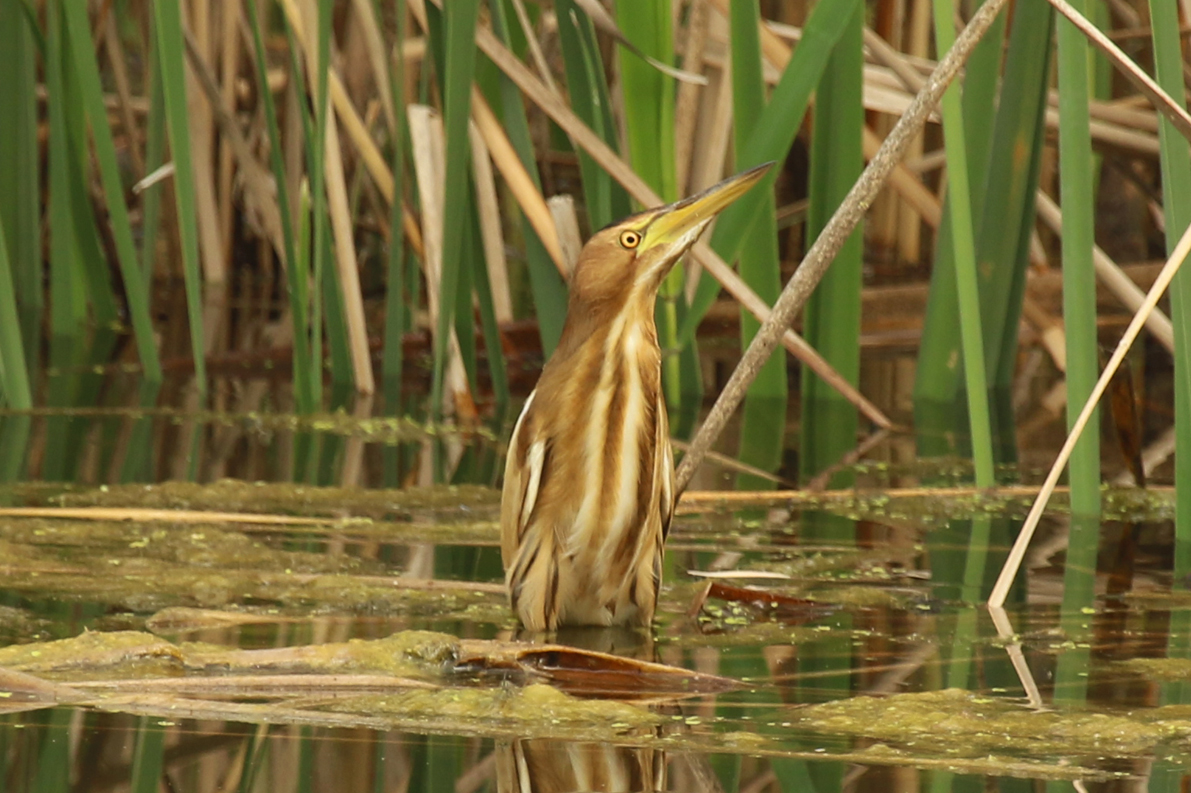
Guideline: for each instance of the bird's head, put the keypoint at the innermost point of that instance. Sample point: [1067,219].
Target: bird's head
[633,256]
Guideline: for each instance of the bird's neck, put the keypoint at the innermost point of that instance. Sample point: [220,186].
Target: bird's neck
[608,326]
[603,352]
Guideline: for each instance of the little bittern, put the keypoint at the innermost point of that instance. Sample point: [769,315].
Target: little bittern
[589,490]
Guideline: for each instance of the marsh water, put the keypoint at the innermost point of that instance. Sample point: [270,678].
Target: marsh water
[269,636]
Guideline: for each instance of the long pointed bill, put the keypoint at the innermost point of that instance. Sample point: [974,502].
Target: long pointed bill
[672,223]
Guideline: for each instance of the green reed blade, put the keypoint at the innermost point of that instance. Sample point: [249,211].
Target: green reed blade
[321,251]
[548,289]
[14,440]
[392,360]
[982,75]
[138,462]
[335,323]
[1079,276]
[1005,201]
[155,137]
[312,213]
[465,330]
[588,92]
[19,170]
[459,55]
[764,411]
[87,74]
[14,388]
[648,94]
[21,292]
[831,320]
[147,758]
[1004,229]
[170,51]
[309,322]
[936,379]
[96,275]
[295,278]
[648,97]
[770,139]
[396,313]
[15,391]
[962,238]
[1176,204]
[53,762]
[67,302]
[90,263]
[497,371]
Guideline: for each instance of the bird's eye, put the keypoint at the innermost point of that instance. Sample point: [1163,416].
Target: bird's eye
[630,239]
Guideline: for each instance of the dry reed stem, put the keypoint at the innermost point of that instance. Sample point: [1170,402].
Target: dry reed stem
[1152,456]
[709,167]
[1017,553]
[249,685]
[1125,127]
[351,470]
[686,106]
[732,464]
[229,69]
[816,261]
[426,141]
[505,157]
[562,209]
[491,234]
[903,180]
[519,182]
[583,136]
[1050,331]
[347,267]
[1174,111]
[1112,276]
[261,197]
[144,515]
[357,132]
[799,347]
[115,51]
[1017,658]
[1109,273]
[694,500]
[202,135]
[822,478]
[366,12]
[535,48]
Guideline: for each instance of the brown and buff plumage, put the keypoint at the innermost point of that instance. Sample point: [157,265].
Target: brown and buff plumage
[589,491]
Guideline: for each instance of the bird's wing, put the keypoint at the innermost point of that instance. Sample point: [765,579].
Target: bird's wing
[665,467]
[523,477]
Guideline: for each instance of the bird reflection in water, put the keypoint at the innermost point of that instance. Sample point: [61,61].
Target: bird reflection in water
[549,765]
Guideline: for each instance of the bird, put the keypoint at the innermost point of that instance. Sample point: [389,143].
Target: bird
[588,488]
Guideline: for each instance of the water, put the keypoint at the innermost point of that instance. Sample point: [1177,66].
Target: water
[314,653]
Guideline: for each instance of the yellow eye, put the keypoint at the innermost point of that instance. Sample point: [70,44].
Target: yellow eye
[630,239]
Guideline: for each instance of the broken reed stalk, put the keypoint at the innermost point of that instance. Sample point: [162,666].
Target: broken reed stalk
[837,230]
[1017,553]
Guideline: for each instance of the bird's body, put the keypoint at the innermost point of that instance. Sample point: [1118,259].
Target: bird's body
[596,494]
[589,491]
